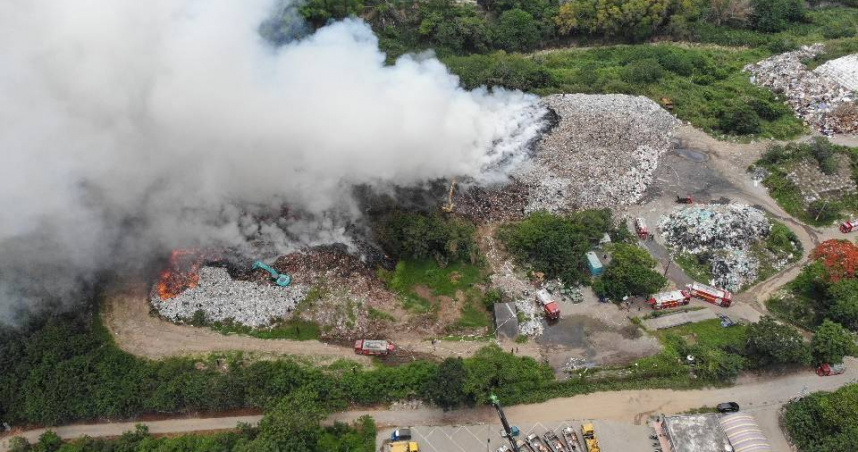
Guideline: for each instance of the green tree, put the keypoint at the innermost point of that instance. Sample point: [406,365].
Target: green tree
[770,342]
[554,244]
[48,442]
[447,387]
[843,296]
[516,30]
[19,444]
[775,15]
[831,343]
[293,423]
[629,273]
[643,71]
[717,365]
[506,375]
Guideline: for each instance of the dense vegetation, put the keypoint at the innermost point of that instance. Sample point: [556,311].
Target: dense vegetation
[292,425]
[452,27]
[418,236]
[67,368]
[824,421]
[629,273]
[780,160]
[556,245]
[826,289]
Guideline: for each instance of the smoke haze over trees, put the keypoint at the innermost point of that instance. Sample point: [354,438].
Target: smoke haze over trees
[131,127]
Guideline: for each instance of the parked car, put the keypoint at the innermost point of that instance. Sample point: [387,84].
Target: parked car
[727,407]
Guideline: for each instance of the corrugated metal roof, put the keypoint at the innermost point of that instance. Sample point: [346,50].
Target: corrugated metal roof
[744,433]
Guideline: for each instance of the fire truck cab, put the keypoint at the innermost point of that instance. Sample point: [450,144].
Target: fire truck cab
[849,226]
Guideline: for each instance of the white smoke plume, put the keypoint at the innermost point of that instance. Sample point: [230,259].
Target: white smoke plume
[128,126]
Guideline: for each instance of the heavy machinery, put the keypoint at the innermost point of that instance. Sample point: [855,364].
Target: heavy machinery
[826,370]
[589,434]
[849,226]
[711,294]
[508,432]
[374,347]
[535,443]
[553,441]
[671,299]
[684,200]
[403,446]
[551,308]
[450,206]
[281,279]
[570,437]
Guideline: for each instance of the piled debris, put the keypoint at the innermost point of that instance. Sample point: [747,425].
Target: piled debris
[815,185]
[530,322]
[602,152]
[814,95]
[725,233]
[220,298]
[844,70]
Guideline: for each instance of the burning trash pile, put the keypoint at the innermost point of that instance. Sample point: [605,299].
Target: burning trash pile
[816,96]
[602,152]
[724,234]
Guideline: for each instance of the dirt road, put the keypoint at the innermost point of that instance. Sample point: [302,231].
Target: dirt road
[762,396]
[126,315]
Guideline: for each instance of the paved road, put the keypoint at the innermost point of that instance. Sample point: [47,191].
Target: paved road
[763,396]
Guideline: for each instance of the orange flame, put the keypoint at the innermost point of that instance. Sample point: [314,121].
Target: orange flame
[181,274]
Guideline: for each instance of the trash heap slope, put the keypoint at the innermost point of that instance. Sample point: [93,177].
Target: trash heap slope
[602,152]
[723,235]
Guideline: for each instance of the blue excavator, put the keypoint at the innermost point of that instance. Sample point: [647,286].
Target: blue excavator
[281,279]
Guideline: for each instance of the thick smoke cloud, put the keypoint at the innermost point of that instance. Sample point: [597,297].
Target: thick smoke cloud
[127,127]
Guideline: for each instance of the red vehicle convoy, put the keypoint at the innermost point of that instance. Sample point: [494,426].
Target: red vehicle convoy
[711,294]
[672,299]
[374,347]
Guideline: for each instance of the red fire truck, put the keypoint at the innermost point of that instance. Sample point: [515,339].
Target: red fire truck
[641,229]
[672,299]
[374,347]
[849,226]
[552,309]
[711,294]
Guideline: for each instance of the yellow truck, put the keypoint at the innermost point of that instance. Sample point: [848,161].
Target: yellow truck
[590,438]
[403,446]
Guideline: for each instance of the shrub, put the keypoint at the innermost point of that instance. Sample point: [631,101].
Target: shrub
[776,15]
[420,236]
[629,273]
[643,71]
[831,343]
[516,30]
[739,119]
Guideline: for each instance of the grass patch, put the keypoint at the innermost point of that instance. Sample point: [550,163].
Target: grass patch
[473,316]
[375,314]
[293,329]
[709,333]
[704,83]
[694,266]
[794,310]
[781,245]
[441,281]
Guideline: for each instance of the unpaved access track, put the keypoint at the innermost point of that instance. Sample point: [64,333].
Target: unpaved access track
[126,313]
[761,396]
